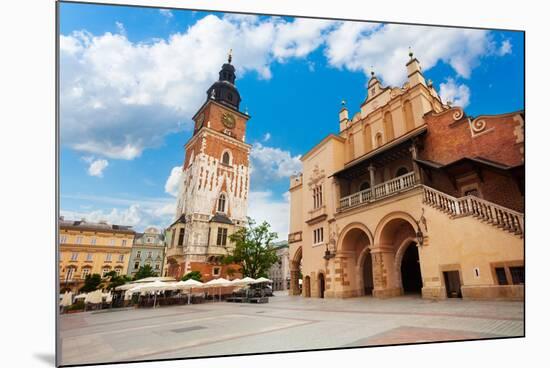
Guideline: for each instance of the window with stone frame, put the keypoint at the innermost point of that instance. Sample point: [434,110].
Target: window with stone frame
[74,256]
[216,271]
[221,203]
[501,276]
[317,196]
[181,236]
[222,236]
[89,257]
[85,272]
[70,273]
[518,275]
[108,257]
[136,265]
[318,235]
[121,257]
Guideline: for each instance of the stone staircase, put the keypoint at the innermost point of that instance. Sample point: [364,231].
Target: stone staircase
[485,211]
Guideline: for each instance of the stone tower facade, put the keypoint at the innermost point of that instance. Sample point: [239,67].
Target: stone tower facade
[213,194]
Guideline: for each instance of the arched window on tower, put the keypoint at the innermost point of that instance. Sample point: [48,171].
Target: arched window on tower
[226,158]
[221,203]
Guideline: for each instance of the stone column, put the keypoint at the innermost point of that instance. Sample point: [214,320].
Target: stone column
[341,279]
[383,263]
[294,281]
[414,154]
[372,170]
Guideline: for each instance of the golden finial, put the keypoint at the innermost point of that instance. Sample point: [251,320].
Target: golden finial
[410,53]
[371,71]
[229,57]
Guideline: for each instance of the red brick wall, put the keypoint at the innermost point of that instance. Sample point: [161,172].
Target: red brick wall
[448,140]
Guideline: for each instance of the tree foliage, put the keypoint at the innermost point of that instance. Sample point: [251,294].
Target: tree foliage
[145,271]
[113,280]
[91,283]
[253,249]
[195,275]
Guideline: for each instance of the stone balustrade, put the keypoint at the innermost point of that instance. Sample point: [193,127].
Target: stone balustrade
[379,191]
[486,211]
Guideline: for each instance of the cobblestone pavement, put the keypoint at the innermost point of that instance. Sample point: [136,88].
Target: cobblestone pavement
[286,323]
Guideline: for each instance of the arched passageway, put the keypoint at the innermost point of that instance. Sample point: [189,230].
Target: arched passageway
[411,277]
[368,282]
[296,273]
[306,287]
[321,279]
[357,274]
[395,247]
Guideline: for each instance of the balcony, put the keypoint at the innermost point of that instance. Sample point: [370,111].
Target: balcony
[379,191]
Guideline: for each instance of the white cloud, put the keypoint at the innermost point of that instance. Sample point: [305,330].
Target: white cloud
[263,206]
[267,136]
[457,94]
[96,167]
[120,28]
[166,13]
[172,184]
[272,163]
[505,48]
[139,213]
[120,97]
[357,46]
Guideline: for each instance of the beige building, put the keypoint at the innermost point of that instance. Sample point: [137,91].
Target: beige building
[412,196]
[279,273]
[87,248]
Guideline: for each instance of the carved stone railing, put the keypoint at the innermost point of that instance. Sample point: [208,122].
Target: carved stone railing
[379,191]
[486,211]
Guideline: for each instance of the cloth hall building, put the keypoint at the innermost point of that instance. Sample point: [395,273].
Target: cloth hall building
[411,196]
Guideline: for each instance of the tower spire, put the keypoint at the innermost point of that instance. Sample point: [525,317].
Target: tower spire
[229,56]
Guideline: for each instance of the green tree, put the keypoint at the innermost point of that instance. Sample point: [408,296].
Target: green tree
[195,275]
[91,283]
[253,250]
[114,280]
[145,271]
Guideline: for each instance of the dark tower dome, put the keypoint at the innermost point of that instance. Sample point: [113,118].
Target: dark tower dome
[224,90]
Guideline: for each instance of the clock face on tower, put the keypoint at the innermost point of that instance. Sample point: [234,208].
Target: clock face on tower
[228,120]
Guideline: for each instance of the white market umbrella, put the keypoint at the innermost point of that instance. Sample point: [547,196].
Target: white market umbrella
[95,297]
[262,280]
[125,287]
[219,283]
[155,287]
[190,284]
[67,299]
[247,280]
[81,296]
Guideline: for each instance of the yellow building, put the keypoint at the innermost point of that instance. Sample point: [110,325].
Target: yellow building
[412,196]
[87,248]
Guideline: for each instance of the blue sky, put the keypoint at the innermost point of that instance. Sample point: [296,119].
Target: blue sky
[132,78]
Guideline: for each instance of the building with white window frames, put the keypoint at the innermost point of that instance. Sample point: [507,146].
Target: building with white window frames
[147,249]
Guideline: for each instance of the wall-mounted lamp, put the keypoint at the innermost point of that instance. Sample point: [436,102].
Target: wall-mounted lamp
[419,233]
[328,255]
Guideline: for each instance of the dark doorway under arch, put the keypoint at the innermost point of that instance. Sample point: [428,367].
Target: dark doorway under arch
[368,282]
[321,285]
[411,276]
